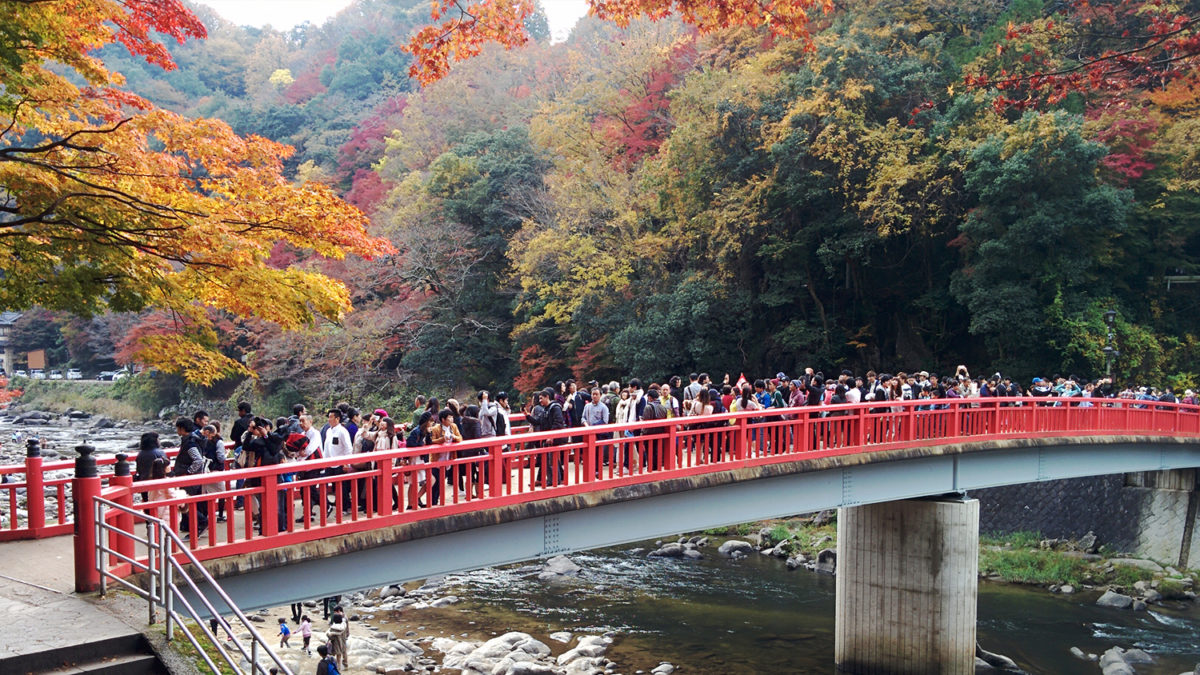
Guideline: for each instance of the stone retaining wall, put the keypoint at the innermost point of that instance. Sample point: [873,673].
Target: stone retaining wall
[1147,521]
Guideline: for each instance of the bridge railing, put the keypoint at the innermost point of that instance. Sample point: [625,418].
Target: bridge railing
[309,500]
[48,483]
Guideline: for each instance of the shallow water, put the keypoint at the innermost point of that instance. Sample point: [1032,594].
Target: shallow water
[755,616]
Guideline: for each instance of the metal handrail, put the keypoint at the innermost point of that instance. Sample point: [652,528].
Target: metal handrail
[163,568]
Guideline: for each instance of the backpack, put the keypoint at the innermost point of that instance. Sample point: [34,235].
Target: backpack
[501,424]
[329,667]
[654,411]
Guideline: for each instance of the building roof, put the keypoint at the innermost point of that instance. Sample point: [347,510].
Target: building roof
[9,318]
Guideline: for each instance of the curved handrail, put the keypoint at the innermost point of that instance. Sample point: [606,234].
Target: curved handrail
[162,568]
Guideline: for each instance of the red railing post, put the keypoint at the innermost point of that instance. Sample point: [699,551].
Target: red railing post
[269,514]
[955,419]
[383,488]
[122,542]
[672,439]
[589,456]
[861,416]
[85,488]
[35,497]
[495,467]
[741,444]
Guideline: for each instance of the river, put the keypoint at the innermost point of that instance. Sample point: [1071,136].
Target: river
[754,616]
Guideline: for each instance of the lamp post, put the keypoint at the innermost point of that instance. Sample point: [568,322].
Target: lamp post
[1110,351]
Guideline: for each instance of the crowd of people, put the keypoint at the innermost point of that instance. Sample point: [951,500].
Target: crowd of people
[345,431]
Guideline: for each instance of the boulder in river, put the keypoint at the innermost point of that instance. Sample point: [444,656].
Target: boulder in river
[729,548]
[1114,599]
[1117,661]
[558,567]
[827,561]
[991,662]
[668,551]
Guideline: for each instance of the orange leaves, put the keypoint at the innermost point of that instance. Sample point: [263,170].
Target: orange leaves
[128,207]
[788,18]
[465,26]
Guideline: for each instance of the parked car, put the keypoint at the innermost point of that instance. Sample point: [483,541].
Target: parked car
[74,374]
[37,374]
[120,375]
[20,373]
[105,375]
[56,375]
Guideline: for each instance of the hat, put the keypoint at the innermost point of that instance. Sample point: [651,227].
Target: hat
[296,442]
[1189,392]
[1037,380]
[381,412]
[780,376]
[924,373]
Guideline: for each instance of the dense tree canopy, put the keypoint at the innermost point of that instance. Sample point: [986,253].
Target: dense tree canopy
[736,186]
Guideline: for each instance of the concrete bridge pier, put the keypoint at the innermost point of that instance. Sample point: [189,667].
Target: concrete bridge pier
[907,576]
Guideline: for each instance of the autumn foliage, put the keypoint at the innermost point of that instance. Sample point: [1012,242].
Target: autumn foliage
[1102,47]
[129,207]
[461,27]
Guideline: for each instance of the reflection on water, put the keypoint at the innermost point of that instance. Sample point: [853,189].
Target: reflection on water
[754,616]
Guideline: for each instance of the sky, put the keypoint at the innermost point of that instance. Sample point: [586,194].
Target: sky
[283,14]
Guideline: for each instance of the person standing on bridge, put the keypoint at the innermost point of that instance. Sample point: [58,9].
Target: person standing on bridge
[443,434]
[337,444]
[190,461]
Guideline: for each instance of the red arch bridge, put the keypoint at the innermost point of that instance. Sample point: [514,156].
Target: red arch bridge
[900,474]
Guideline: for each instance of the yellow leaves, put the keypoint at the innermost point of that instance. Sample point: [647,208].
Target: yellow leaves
[181,355]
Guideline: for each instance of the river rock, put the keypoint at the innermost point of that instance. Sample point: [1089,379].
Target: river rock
[1138,605]
[1081,655]
[994,662]
[442,602]
[561,636]
[1137,562]
[392,592]
[528,668]
[792,563]
[692,554]
[1066,589]
[668,551]
[1114,599]
[729,548]
[663,669]
[590,646]
[1087,543]
[104,423]
[827,561]
[1113,662]
[558,567]
[1137,657]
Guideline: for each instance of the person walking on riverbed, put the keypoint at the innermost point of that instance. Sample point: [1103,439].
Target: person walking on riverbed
[338,630]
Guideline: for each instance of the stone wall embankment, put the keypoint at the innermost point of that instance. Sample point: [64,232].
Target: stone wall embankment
[1143,513]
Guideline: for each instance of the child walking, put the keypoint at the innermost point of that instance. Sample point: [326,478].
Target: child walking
[284,633]
[306,633]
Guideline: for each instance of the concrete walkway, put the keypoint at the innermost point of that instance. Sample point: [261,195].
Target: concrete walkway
[37,580]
